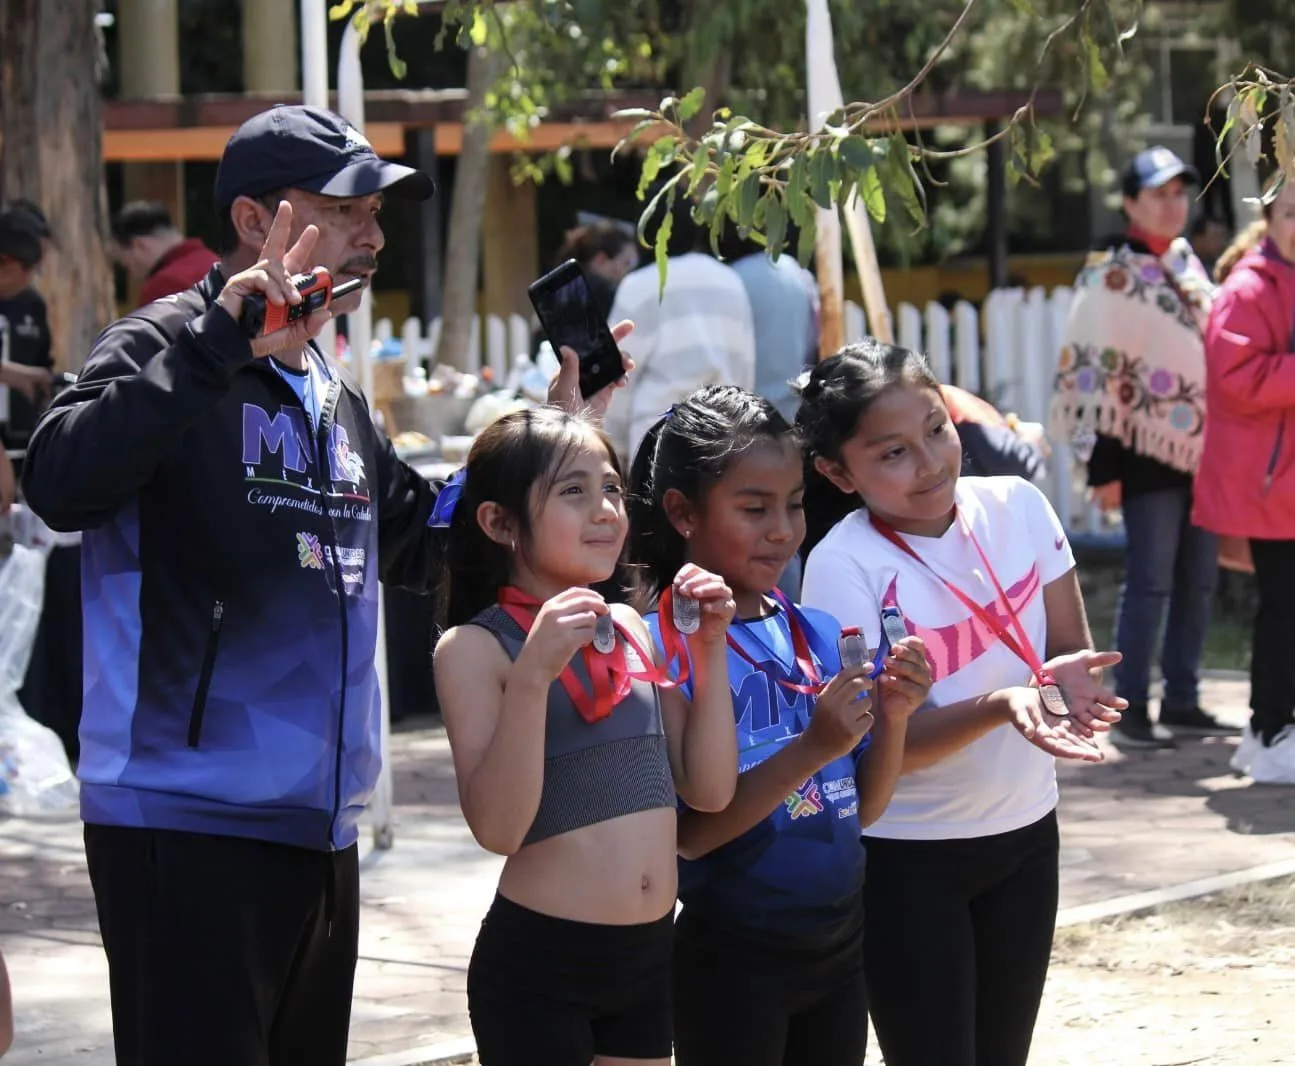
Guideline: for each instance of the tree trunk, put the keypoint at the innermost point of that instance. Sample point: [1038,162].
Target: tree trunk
[53,155]
[467,208]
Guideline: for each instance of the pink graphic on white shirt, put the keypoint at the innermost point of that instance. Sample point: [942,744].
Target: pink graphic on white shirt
[951,647]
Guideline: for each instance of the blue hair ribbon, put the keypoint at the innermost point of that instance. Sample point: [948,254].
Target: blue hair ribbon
[447,500]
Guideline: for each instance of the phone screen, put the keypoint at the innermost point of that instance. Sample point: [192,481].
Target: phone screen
[571,319]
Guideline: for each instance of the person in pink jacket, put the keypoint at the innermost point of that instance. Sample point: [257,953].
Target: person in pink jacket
[1245,486]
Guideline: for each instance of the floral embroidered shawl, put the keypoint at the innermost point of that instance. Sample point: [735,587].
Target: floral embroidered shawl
[1133,358]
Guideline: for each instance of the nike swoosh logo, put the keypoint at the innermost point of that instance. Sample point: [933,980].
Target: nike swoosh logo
[1059,543]
[951,647]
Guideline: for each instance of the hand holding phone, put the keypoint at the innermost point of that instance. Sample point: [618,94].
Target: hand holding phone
[571,318]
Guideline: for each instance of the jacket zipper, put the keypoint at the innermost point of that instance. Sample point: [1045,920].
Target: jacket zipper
[1272,459]
[204,675]
[326,412]
[319,436]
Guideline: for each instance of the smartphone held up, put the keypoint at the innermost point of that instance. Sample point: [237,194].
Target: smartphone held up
[571,319]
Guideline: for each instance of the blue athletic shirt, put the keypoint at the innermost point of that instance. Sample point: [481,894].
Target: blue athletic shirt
[801,869]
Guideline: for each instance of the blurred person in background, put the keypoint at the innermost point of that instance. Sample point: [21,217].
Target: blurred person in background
[146,242]
[700,331]
[25,347]
[1246,484]
[1130,390]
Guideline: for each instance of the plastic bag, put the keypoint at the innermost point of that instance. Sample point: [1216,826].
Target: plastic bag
[35,776]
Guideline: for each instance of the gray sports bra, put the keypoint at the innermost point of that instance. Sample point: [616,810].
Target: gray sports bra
[593,771]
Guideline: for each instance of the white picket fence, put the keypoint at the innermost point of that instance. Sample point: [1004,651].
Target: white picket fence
[1005,351]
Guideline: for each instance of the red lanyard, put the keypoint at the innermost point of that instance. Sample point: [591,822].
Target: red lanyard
[1019,644]
[609,672]
[800,647]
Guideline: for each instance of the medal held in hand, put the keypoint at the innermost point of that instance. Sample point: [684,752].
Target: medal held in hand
[686,612]
[604,635]
[892,624]
[1053,700]
[853,649]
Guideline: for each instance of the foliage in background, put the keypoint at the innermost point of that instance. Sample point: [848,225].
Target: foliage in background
[767,174]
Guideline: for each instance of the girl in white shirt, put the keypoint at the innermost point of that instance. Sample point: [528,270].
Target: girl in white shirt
[961,891]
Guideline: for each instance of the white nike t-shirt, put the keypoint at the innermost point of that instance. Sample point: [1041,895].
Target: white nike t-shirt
[1000,782]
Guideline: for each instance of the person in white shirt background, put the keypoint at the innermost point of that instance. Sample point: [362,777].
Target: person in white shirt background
[961,893]
[700,331]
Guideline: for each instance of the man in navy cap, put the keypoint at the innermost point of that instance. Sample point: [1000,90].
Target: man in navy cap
[239,508]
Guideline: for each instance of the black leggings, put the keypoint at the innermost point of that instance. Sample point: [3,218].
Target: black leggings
[744,1001]
[550,991]
[1272,667]
[957,937]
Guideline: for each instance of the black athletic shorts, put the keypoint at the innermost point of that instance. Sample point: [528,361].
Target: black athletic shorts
[553,991]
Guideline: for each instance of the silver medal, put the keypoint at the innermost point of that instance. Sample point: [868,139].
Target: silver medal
[1054,702]
[687,614]
[892,624]
[604,634]
[853,649]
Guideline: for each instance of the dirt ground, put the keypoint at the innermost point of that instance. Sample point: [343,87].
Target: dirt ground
[1210,980]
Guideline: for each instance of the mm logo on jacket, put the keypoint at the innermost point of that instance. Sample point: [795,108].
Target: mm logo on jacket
[276,454]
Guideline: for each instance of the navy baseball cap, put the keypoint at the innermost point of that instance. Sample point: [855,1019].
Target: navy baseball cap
[296,147]
[1153,168]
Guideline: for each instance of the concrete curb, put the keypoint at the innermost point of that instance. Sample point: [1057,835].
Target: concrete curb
[1144,901]
[457,1052]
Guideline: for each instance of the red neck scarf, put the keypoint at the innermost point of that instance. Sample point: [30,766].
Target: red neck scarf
[1158,245]
[610,673]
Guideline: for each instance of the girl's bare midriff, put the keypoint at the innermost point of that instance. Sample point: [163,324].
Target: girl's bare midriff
[618,872]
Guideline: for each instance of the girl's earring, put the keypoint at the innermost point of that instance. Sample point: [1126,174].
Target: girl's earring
[687,534]
[512,545]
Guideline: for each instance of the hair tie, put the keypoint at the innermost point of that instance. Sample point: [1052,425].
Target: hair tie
[668,414]
[447,500]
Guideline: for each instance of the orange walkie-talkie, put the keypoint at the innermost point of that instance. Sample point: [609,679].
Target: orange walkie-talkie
[260,317]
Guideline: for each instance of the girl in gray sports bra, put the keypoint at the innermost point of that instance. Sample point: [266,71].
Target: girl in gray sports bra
[570,745]
[593,771]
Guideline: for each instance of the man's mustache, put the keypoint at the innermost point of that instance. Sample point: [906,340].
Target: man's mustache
[359,265]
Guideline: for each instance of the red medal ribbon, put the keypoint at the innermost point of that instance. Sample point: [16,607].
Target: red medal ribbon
[800,647]
[609,672]
[1018,644]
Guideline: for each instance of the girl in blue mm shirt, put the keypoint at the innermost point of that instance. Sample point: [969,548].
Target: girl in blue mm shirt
[768,967]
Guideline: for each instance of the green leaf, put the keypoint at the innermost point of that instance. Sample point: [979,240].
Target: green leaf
[1024,7]
[477,34]
[397,65]
[798,179]
[662,244]
[872,194]
[1041,150]
[727,173]
[908,187]
[807,241]
[1097,68]
[697,166]
[651,168]
[822,172]
[748,197]
[340,10]
[691,104]
[856,152]
[775,226]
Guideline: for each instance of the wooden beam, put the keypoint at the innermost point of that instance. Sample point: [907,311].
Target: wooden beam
[208,142]
[197,127]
